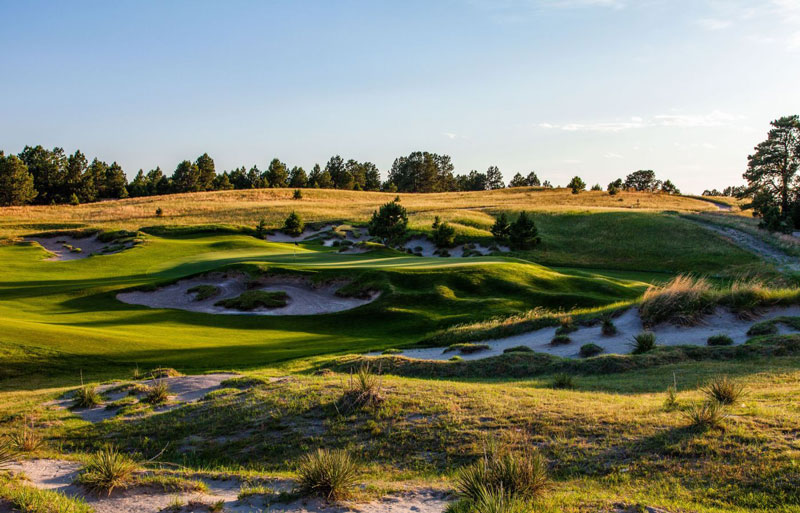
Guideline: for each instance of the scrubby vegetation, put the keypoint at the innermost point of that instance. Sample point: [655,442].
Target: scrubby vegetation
[643,342]
[202,292]
[330,474]
[252,299]
[589,350]
[720,340]
[106,470]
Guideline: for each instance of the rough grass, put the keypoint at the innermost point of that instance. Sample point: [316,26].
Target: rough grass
[330,474]
[723,390]
[707,415]
[156,393]
[87,396]
[202,292]
[252,299]
[29,499]
[720,340]
[589,350]
[106,470]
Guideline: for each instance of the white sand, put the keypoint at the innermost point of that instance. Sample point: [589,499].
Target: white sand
[307,234]
[88,245]
[425,247]
[628,324]
[58,475]
[305,298]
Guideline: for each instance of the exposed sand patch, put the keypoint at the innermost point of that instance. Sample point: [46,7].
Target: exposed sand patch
[182,390]
[755,245]
[423,246]
[305,298]
[60,246]
[628,324]
[279,236]
[59,475]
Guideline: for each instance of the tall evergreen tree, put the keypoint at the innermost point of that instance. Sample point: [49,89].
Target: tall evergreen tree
[494,178]
[277,175]
[205,165]
[116,182]
[298,178]
[186,177]
[16,182]
[48,170]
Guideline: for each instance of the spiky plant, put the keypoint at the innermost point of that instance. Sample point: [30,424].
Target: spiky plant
[723,390]
[643,342]
[708,415]
[106,470]
[87,396]
[156,393]
[330,474]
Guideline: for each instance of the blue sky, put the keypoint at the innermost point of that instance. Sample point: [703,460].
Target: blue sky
[597,88]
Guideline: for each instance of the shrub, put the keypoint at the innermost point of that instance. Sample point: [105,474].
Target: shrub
[519,475]
[159,212]
[156,393]
[501,229]
[720,340]
[576,184]
[161,373]
[644,342]
[444,236]
[107,469]
[293,225]
[363,390]
[518,349]
[683,300]
[608,329]
[563,381]
[523,233]
[86,396]
[327,474]
[762,328]
[567,326]
[708,415]
[671,401]
[298,194]
[390,222]
[560,340]
[723,390]
[252,299]
[589,350]
[261,229]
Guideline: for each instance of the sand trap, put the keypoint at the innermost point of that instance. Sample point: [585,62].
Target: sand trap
[58,475]
[628,324]
[307,234]
[182,389]
[423,246]
[88,246]
[305,298]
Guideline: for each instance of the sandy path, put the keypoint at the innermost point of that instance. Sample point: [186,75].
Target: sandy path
[59,475]
[304,298]
[88,245]
[628,324]
[755,245]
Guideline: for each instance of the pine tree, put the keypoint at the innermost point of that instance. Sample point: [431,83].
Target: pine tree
[16,183]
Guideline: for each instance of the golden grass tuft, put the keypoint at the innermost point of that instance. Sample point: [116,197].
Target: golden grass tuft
[684,300]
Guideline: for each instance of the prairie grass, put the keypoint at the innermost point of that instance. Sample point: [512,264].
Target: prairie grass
[330,474]
[363,390]
[608,328]
[106,470]
[723,390]
[684,300]
[87,396]
[6,453]
[707,415]
[26,439]
[156,393]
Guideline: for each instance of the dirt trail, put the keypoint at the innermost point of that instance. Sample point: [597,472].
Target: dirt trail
[755,245]
[59,475]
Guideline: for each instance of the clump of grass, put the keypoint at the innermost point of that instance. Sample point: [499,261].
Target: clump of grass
[156,393]
[684,300]
[560,340]
[167,483]
[363,390]
[330,474]
[26,439]
[723,390]
[589,350]
[671,401]
[763,328]
[6,454]
[29,499]
[251,490]
[643,342]
[518,349]
[203,292]
[720,340]
[567,326]
[501,478]
[391,351]
[608,329]
[87,396]
[705,416]
[467,348]
[161,373]
[252,299]
[455,358]
[106,470]
[563,381]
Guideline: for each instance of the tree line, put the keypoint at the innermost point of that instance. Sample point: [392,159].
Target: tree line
[43,176]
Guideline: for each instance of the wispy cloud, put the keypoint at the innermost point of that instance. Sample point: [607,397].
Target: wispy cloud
[612,155]
[713,119]
[771,20]
[714,23]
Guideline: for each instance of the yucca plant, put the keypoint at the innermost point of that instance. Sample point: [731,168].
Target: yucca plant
[87,396]
[26,439]
[363,390]
[521,475]
[643,342]
[671,401]
[106,470]
[328,474]
[156,393]
[708,415]
[723,390]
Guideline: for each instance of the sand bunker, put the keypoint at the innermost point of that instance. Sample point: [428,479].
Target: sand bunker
[59,475]
[628,324]
[304,298]
[182,390]
[423,246]
[64,247]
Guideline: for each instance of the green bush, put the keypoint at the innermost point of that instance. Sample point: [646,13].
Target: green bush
[720,340]
[390,222]
[763,328]
[589,350]
[608,329]
[106,470]
[203,292]
[560,340]
[518,349]
[444,236]
[467,348]
[563,381]
[293,225]
[328,474]
[644,342]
